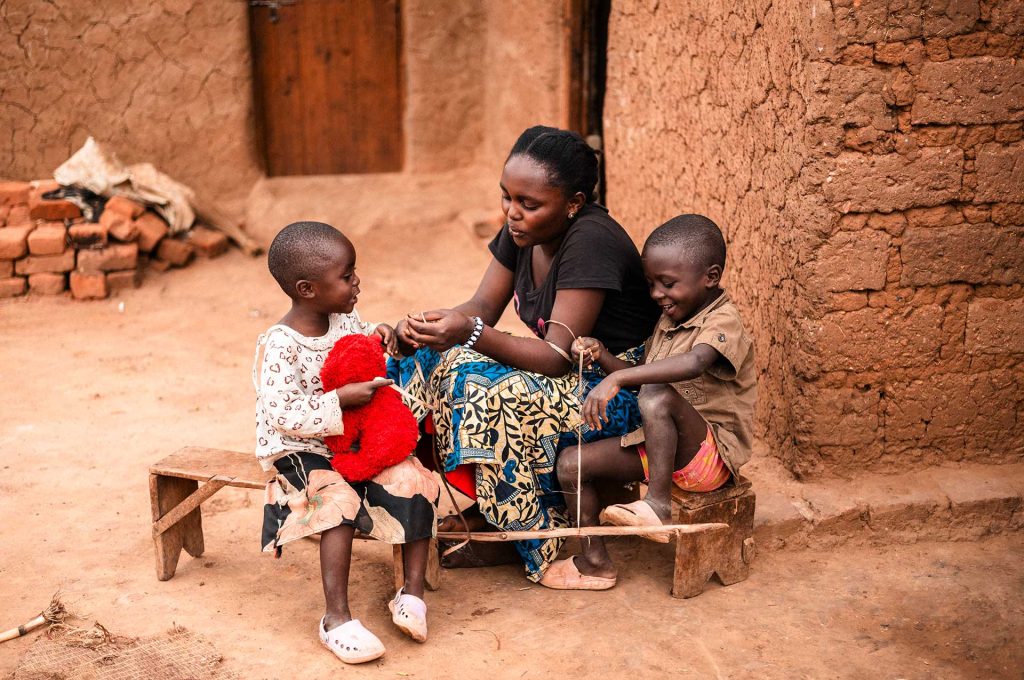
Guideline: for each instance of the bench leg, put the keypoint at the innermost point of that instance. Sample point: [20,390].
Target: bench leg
[165,494]
[432,577]
[693,567]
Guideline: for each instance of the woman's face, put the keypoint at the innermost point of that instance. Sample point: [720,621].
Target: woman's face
[536,210]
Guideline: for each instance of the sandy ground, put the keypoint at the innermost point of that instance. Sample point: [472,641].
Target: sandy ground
[95,392]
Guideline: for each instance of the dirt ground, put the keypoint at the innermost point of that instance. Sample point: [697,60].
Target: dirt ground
[98,391]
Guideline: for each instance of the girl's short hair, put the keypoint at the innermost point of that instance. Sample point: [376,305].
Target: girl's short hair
[570,162]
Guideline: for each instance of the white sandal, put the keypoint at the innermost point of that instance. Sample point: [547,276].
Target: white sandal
[409,613]
[352,642]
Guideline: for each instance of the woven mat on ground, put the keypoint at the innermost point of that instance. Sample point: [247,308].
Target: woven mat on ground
[178,654]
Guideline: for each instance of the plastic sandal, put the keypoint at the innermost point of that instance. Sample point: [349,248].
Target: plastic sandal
[565,575]
[635,514]
[352,642]
[409,613]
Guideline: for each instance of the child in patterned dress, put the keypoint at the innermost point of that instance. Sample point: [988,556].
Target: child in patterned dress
[315,266]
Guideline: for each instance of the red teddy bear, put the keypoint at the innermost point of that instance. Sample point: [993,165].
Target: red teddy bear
[378,435]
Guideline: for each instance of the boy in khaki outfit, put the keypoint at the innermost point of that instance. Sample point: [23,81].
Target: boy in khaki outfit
[698,389]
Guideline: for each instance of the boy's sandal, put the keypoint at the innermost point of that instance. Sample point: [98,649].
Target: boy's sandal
[352,642]
[409,613]
[635,514]
[563,575]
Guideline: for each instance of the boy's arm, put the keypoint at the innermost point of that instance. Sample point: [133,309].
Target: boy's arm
[289,409]
[669,370]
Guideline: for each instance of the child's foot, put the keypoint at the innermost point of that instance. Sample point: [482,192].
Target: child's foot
[635,514]
[473,516]
[409,613]
[351,642]
[602,569]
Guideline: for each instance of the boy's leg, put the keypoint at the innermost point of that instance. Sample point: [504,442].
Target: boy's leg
[414,559]
[604,460]
[335,559]
[673,433]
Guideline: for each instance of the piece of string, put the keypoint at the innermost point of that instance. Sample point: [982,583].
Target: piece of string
[579,422]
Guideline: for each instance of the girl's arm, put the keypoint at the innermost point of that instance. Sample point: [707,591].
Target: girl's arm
[577,308]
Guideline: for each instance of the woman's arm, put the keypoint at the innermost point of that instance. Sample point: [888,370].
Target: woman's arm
[577,308]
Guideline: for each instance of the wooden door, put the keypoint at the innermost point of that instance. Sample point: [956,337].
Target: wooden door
[586,60]
[327,78]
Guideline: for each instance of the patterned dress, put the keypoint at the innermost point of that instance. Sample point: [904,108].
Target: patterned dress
[511,423]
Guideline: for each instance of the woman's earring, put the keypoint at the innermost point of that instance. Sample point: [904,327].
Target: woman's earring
[572,215]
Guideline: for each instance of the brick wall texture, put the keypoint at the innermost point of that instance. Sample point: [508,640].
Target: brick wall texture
[865,160]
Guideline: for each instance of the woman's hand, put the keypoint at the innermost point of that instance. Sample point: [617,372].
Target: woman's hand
[595,408]
[440,329]
[387,338]
[590,348]
[358,394]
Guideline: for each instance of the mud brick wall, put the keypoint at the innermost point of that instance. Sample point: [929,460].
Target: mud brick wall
[167,82]
[866,162]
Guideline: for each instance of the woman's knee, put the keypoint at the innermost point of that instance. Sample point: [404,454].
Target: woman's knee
[568,466]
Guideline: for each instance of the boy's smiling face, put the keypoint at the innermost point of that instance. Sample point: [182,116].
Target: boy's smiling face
[336,289]
[680,286]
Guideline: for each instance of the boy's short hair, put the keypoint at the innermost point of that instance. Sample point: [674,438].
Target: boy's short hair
[695,235]
[297,252]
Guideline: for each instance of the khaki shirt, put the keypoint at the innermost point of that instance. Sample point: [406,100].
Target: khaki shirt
[726,393]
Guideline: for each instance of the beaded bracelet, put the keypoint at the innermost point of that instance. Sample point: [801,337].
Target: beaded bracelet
[478,329]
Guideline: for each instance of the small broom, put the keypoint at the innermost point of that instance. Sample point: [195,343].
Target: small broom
[56,612]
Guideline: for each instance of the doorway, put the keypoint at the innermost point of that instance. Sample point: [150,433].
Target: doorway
[327,81]
[587,63]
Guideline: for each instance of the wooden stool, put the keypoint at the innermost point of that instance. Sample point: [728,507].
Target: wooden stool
[176,498]
[727,553]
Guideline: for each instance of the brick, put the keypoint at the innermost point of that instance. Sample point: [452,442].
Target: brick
[975,214]
[208,242]
[844,416]
[994,326]
[1000,173]
[857,55]
[35,264]
[1009,132]
[853,97]
[912,53]
[902,88]
[861,183]
[970,45]
[88,286]
[49,238]
[12,286]
[112,258]
[1008,215]
[12,193]
[118,226]
[977,253]
[936,135]
[939,216]
[129,278]
[40,208]
[890,223]
[852,261]
[47,283]
[175,251]
[159,265]
[6,269]
[124,206]
[964,91]
[18,216]
[14,242]
[937,49]
[87,235]
[151,230]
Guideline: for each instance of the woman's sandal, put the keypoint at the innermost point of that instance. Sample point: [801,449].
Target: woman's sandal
[409,613]
[564,575]
[352,642]
[635,514]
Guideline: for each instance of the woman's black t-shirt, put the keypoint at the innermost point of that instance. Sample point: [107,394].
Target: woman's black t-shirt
[595,253]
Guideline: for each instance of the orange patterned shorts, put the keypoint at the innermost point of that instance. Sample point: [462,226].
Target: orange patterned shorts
[706,472]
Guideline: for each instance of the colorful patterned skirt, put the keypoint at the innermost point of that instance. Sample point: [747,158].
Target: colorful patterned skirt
[308,496]
[511,423]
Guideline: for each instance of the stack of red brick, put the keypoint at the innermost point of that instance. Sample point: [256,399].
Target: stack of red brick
[46,246]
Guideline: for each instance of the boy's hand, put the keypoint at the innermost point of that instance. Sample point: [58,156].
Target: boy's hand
[358,394]
[595,408]
[590,348]
[387,338]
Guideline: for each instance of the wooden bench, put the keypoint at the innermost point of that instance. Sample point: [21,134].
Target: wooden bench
[176,497]
[727,553]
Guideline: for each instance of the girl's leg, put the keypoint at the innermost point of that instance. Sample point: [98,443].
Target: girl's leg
[673,431]
[335,559]
[604,460]
[414,558]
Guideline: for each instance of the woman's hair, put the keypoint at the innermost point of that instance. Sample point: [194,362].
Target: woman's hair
[569,160]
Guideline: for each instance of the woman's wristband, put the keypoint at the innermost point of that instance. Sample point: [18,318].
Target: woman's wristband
[478,329]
